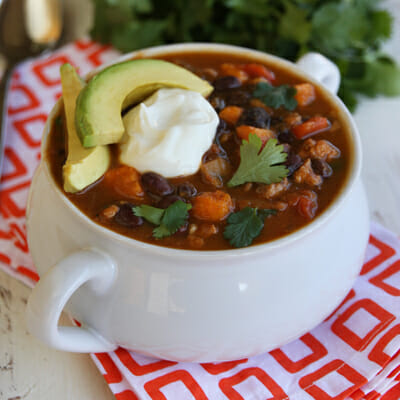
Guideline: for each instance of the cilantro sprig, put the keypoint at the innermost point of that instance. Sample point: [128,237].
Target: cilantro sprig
[169,220]
[260,166]
[276,96]
[245,225]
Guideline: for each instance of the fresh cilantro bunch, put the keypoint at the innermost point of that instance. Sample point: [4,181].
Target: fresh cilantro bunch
[350,32]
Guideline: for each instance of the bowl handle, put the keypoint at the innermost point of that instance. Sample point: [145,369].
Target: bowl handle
[321,69]
[53,291]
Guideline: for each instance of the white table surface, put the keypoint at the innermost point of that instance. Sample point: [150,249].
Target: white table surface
[30,370]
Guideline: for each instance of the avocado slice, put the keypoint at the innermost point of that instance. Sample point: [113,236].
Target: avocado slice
[83,166]
[98,109]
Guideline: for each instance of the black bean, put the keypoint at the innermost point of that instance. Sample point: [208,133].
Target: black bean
[255,116]
[237,98]
[187,190]
[293,162]
[126,217]
[286,147]
[321,167]
[156,184]
[168,200]
[227,82]
[222,126]
[286,137]
[218,103]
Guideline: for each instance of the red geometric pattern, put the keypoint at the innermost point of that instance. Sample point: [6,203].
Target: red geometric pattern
[351,338]
[227,384]
[309,382]
[18,167]
[358,342]
[46,70]
[153,387]
[12,200]
[379,280]
[219,368]
[24,128]
[385,252]
[378,354]
[318,351]
[30,100]
[137,369]
[112,373]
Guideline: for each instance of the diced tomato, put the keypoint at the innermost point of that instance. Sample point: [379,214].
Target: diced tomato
[258,70]
[305,94]
[243,131]
[231,114]
[307,207]
[311,127]
[305,202]
[234,70]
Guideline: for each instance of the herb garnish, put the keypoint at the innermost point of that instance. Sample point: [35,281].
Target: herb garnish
[260,166]
[350,33]
[276,96]
[169,220]
[245,225]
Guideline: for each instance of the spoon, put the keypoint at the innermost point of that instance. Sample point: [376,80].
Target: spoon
[21,37]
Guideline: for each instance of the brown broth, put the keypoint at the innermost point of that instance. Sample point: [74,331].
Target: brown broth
[96,197]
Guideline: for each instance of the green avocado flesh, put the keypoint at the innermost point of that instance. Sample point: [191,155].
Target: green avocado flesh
[98,118]
[83,166]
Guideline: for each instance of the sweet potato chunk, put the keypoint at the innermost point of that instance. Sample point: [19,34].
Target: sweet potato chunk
[234,70]
[243,131]
[125,181]
[305,94]
[212,206]
[231,114]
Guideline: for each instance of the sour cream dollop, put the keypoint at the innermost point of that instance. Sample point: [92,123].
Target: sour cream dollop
[168,133]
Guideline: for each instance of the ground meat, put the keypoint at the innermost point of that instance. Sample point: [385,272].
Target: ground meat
[216,171]
[274,189]
[319,149]
[278,205]
[195,242]
[292,119]
[305,174]
[206,230]
[109,212]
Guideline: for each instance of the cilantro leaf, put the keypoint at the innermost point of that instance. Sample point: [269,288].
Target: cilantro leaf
[174,217]
[169,220]
[261,167]
[244,226]
[161,232]
[266,212]
[276,96]
[149,213]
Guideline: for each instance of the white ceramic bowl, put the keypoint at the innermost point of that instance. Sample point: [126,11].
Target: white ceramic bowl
[187,305]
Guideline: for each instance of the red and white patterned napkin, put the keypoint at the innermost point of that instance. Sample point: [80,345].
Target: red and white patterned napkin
[354,353]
